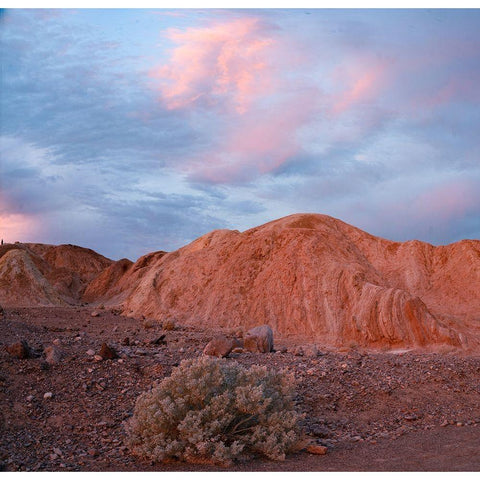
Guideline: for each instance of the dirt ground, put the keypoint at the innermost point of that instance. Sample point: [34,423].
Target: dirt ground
[385,411]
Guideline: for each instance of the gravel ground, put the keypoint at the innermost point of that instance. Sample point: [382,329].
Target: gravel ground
[374,411]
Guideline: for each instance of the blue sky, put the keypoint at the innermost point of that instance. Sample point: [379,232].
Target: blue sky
[129,131]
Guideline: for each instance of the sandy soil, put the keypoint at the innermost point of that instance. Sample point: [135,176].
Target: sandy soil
[374,411]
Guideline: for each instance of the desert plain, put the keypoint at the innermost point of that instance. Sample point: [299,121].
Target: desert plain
[382,337]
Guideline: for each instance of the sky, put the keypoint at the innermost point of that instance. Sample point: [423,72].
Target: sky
[129,131]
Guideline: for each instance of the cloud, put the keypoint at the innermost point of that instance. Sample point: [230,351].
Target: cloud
[224,65]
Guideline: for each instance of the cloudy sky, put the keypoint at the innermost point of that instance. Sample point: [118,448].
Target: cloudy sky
[129,131]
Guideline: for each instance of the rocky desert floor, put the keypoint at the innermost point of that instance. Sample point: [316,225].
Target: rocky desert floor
[401,411]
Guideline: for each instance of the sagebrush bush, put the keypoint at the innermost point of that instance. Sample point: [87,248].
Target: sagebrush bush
[216,410]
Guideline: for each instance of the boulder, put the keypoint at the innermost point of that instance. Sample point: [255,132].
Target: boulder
[259,339]
[221,346]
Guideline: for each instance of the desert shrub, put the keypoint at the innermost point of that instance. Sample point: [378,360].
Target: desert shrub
[216,410]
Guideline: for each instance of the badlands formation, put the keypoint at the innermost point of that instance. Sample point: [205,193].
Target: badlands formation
[310,277]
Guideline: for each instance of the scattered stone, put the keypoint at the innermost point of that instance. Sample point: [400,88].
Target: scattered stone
[298,351]
[169,325]
[126,341]
[148,323]
[259,339]
[310,351]
[238,350]
[29,398]
[20,350]
[47,395]
[91,352]
[410,417]
[158,340]
[53,355]
[317,449]
[95,314]
[98,358]
[57,451]
[459,424]
[221,346]
[107,352]
[57,342]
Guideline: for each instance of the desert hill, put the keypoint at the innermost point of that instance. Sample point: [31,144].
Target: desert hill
[315,277]
[33,274]
[308,276]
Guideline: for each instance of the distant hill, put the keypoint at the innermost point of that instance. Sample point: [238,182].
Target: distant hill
[33,274]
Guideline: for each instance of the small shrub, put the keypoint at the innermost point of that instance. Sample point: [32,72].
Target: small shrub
[216,410]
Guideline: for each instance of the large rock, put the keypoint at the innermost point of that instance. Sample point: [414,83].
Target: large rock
[259,339]
[221,346]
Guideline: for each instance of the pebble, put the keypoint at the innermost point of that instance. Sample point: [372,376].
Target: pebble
[48,395]
[317,449]
[98,358]
[91,352]
[29,398]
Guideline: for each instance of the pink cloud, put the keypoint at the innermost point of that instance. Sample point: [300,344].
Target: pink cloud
[360,82]
[238,69]
[259,143]
[222,64]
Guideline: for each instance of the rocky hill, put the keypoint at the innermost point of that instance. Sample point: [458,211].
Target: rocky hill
[315,277]
[33,274]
